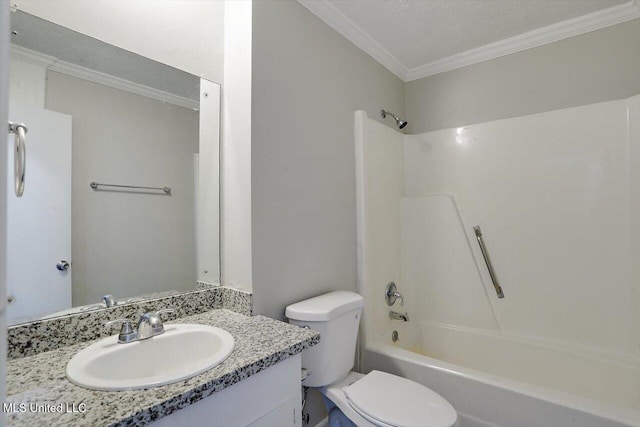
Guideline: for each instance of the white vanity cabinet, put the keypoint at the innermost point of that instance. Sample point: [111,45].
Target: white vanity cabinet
[270,398]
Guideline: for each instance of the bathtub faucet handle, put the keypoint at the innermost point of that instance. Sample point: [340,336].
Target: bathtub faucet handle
[391,294]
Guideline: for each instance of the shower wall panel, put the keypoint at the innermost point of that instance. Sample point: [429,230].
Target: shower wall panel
[439,266]
[379,176]
[556,195]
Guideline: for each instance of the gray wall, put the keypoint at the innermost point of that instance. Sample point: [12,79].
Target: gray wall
[307,81]
[598,66]
[128,244]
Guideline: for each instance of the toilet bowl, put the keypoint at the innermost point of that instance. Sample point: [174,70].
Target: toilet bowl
[377,399]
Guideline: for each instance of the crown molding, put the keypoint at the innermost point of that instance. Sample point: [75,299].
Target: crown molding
[53,64]
[122,84]
[328,13]
[31,56]
[552,33]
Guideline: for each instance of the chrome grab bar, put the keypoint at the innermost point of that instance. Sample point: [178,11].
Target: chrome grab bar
[95,186]
[19,156]
[487,260]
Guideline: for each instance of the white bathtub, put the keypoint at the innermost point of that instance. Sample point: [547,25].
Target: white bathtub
[496,381]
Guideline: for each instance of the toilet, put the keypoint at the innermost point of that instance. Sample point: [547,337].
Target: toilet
[375,399]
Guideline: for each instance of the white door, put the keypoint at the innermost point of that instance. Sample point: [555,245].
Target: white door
[39,222]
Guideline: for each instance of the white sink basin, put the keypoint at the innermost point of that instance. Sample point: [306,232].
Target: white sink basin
[181,352]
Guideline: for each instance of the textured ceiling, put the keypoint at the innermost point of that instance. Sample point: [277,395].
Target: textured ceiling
[419,32]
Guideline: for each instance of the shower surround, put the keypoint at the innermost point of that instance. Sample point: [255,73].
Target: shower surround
[557,195]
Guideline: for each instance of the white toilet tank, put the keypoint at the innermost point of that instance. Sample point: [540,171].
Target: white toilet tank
[336,317]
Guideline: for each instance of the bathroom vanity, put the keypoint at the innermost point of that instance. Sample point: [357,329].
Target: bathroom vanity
[257,385]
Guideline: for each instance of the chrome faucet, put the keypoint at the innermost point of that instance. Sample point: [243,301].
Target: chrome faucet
[393,315]
[149,326]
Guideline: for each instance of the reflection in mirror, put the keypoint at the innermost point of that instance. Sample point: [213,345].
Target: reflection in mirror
[98,113]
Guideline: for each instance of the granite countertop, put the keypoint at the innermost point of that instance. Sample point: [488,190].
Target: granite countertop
[260,342]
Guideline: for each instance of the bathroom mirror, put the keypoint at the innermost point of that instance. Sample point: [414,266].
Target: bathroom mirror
[121,192]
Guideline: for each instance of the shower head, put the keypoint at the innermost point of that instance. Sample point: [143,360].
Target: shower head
[401,123]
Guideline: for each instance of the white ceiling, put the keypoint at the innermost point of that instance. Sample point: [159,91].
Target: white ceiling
[418,38]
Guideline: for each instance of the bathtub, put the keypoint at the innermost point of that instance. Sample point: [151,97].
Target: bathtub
[498,381]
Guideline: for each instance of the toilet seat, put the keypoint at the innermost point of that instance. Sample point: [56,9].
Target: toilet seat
[388,400]
[373,421]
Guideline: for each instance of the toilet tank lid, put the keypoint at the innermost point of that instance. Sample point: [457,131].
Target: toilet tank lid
[325,307]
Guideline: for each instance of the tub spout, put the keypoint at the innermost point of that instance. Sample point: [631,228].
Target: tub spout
[398,316]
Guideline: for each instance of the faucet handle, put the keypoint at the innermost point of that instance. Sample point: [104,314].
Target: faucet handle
[391,294]
[126,323]
[127,333]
